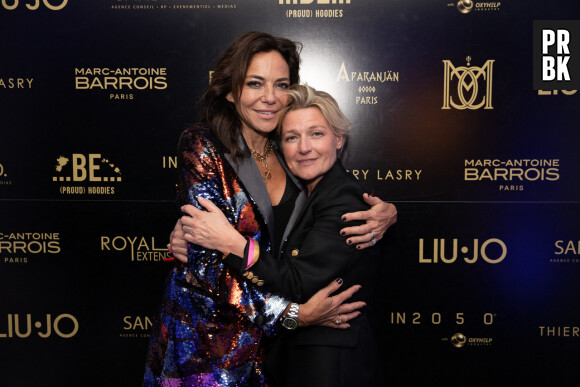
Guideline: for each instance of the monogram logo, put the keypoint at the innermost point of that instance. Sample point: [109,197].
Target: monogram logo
[469,81]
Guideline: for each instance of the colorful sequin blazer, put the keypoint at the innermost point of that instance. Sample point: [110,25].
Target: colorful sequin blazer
[212,321]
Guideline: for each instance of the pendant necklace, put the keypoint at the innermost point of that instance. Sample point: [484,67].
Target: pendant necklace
[264,159]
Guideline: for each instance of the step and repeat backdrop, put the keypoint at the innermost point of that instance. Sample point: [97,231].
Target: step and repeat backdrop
[465,115]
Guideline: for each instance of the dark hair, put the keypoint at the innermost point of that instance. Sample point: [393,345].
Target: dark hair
[217,113]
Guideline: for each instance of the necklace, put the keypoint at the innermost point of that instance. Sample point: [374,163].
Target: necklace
[264,159]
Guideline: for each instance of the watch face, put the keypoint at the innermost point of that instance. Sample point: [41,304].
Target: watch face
[290,323]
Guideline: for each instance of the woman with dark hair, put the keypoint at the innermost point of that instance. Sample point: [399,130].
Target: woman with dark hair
[212,320]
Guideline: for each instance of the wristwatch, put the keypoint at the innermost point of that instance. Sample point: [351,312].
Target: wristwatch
[290,321]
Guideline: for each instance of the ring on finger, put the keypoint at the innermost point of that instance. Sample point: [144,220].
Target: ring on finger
[338,320]
[373,242]
[372,235]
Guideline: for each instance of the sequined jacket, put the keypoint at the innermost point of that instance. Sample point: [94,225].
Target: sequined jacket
[211,321]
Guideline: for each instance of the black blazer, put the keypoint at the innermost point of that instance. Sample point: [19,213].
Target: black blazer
[313,255]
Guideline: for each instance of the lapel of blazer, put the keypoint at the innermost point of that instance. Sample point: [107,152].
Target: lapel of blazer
[300,200]
[251,177]
[306,201]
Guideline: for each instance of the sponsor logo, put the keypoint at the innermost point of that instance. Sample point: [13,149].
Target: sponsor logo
[470,83]
[142,249]
[368,82]
[17,247]
[491,250]
[33,5]
[387,174]
[459,340]
[121,83]
[511,173]
[446,319]
[436,318]
[16,83]
[317,12]
[466,6]
[135,327]
[559,331]
[566,252]
[20,326]
[89,174]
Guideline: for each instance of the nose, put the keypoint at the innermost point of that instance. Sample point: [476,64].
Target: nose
[269,96]
[304,146]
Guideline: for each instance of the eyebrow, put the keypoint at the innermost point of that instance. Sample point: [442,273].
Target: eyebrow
[263,79]
[309,128]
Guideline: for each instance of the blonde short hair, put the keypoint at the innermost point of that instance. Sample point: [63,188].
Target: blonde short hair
[304,96]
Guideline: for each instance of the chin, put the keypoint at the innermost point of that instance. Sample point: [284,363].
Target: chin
[306,178]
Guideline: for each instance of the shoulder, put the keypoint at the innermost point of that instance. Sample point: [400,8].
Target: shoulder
[197,138]
[198,144]
[338,186]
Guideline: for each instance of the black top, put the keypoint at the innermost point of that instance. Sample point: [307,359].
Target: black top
[282,213]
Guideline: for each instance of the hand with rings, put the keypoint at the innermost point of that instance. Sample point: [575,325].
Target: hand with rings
[325,309]
[378,219]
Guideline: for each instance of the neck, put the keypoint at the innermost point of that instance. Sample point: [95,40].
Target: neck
[311,184]
[256,141]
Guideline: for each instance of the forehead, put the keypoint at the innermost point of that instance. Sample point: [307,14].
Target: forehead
[303,119]
[270,63]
